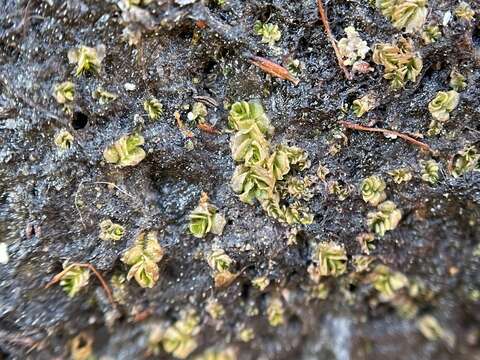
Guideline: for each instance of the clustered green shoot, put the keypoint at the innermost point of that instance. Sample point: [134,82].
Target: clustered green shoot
[63,139]
[103,96]
[443,104]
[246,334]
[386,218]
[110,231]
[364,104]
[404,14]
[464,161]
[215,309]
[205,219]
[270,33]
[366,242]
[362,263]
[329,259]
[352,48]
[199,113]
[431,34]
[64,92]
[433,331]
[338,188]
[430,171]
[275,312]
[126,151]
[261,174]
[387,282]
[153,107]
[74,279]
[372,190]
[400,62]
[179,338]
[142,258]
[457,81]
[401,175]
[465,12]
[261,282]
[88,59]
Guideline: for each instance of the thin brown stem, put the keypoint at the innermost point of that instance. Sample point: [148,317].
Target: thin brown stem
[331,38]
[100,278]
[405,137]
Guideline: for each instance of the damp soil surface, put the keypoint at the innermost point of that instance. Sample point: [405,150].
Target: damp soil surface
[51,201]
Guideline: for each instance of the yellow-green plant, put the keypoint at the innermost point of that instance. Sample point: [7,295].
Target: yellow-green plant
[179,339]
[217,354]
[433,331]
[363,105]
[251,183]
[319,291]
[63,139]
[103,96]
[330,259]
[385,219]
[199,112]
[362,262]
[64,92]
[408,14]
[130,3]
[215,309]
[366,242]
[457,81]
[270,33]
[464,11]
[373,190]
[297,214]
[339,189]
[430,171]
[88,59]
[111,231]
[299,188]
[464,161]
[352,48]
[251,147]
[275,312]
[322,172]
[219,261]
[400,62]
[431,34]
[261,282]
[243,115]
[143,257]
[387,282]
[205,218]
[74,279]
[443,104]
[153,107]
[126,151]
[401,175]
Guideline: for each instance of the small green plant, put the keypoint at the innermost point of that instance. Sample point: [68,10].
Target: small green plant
[362,262]
[243,115]
[457,81]
[404,14]
[74,279]
[431,34]
[219,261]
[275,312]
[205,218]
[319,291]
[464,161]
[297,214]
[63,139]
[64,92]
[339,189]
[270,33]
[199,113]
[443,104]
[143,257]
[126,151]
[373,190]
[251,183]
[103,96]
[153,107]
[261,282]
[329,259]
[111,231]
[433,331]
[322,172]
[430,171]
[246,334]
[179,338]
[88,59]
[363,105]
[464,11]
[299,188]
[385,219]
[401,175]
[352,48]
[295,67]
[387,282]
[251,147]
[366,242]
[400,62]
[215,309]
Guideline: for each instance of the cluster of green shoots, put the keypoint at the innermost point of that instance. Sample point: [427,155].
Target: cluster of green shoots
[440,108]
[110,231]
[142,258]
[153,107]
[464,161]
[364,104]
[205,219]
[431,34]
[88,59]
[404,14]
[329,259]
[126,151]
[74,279]
[400,62]
[221,264]
[270,33]
[261,174]
[352,48]
[63,139]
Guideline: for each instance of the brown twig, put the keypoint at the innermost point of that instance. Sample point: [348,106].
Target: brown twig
[405,137]
[208,128]
[104,284]
[273,69]
[332,40]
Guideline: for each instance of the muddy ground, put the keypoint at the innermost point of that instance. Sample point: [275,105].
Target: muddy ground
[201,49]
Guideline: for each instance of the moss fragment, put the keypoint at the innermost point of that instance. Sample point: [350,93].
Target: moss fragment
[385,219]
[329,259]
[372,190]
[74,280]
[126,151]
[443,104]
[270,33]
[88,59]
[205,218]
[63,139]
[111,231]
[64,92]
[153,107]
[430,171]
